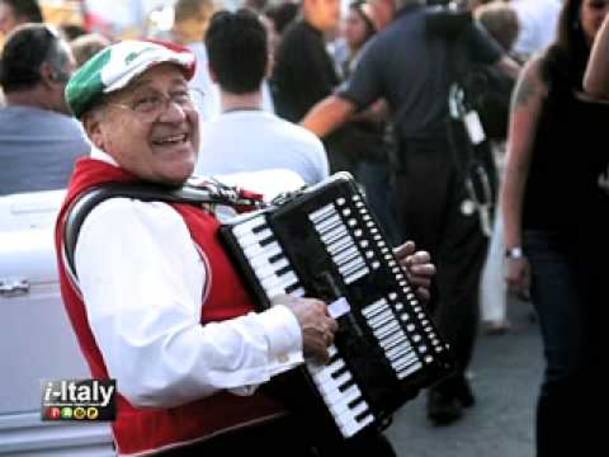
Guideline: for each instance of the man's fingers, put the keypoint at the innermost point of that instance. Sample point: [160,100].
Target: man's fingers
[418,258]
[423,294]
[426,269]
[421,275]
[333,326]
[321,352]
[405,249]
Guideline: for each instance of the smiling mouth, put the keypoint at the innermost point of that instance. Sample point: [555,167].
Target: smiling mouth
[171,140]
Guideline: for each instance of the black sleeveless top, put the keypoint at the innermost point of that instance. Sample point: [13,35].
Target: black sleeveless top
[569,154]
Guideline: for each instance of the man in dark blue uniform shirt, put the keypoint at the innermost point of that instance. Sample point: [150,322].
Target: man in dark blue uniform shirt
[412,67]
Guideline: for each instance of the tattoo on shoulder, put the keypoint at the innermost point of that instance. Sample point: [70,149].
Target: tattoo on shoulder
[524,91]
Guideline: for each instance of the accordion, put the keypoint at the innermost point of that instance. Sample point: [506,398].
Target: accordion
[324,242]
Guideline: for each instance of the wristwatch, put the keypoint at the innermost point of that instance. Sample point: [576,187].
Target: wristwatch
[514,253]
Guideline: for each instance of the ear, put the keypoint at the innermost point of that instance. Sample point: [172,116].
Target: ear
[48,75]
[93,125]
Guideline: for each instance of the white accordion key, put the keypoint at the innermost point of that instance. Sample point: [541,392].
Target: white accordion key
[249,226]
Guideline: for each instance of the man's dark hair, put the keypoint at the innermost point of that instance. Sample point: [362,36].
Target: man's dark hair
[25,10]
[238,50]
[26,49]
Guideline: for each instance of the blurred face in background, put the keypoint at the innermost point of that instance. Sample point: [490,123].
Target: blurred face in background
[356,31]
[192,20]
[383,11]
[8,21]
[592,13]
[323,14]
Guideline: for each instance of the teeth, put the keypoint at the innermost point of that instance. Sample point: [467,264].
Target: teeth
[172,139]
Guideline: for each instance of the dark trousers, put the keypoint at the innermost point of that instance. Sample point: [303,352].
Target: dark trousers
[281,438]
[591,396]
[556,300]
[430,192]
[569,292]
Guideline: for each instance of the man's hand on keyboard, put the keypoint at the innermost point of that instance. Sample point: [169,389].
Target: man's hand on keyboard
[317,325]
[419,268]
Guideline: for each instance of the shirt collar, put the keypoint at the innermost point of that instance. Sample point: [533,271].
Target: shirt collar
[102,156]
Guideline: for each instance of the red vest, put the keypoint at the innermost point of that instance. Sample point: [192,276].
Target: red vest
[138,430]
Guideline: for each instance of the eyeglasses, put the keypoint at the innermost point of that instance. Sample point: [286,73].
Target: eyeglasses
[149,106]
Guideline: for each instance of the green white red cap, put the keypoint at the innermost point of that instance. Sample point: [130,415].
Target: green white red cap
[117,65]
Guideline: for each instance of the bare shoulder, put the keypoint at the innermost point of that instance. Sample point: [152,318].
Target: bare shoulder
[530,86]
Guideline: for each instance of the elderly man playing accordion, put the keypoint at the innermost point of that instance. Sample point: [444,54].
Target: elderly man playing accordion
[152,296]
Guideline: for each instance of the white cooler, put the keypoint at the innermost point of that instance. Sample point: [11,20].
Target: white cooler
[36,340]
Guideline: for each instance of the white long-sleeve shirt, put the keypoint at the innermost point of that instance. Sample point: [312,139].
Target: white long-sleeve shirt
[142,279]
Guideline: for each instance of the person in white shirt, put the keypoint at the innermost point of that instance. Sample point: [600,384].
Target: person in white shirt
[245,137]
[190,30]
[538,21]
[150,292]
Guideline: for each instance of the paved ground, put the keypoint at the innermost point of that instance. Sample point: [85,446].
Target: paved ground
[505,377]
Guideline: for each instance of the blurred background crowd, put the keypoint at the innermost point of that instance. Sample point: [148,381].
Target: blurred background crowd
[520,93]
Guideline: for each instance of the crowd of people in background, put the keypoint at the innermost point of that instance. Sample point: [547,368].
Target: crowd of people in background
[467,125]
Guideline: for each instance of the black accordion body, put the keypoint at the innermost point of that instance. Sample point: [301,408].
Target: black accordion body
[323,242]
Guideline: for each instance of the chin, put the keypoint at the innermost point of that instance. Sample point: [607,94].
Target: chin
[180,176]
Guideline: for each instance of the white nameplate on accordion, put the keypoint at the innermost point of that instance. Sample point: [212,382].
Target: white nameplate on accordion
[339,308]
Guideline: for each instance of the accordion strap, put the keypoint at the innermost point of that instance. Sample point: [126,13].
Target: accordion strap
[208,193]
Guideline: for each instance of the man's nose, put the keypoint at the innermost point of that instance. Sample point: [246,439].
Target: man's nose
[173,112]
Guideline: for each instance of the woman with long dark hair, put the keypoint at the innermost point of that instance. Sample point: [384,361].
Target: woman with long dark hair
[552,136]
